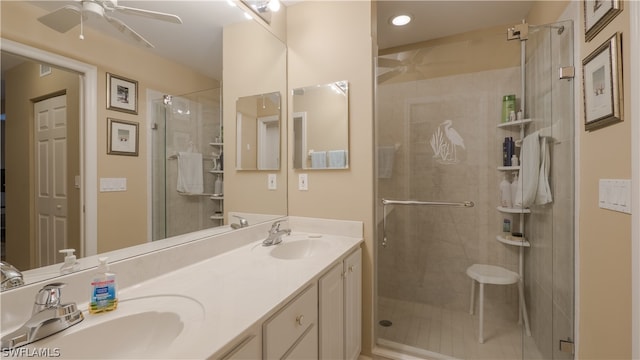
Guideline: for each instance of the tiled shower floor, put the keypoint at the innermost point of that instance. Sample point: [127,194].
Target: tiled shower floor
[451,333]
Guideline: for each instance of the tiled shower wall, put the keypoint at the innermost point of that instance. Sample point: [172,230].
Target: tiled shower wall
[430,248]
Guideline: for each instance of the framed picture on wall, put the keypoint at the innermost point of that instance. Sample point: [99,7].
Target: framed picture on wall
[122,94]
[122,137]
[602,84]
[597,14]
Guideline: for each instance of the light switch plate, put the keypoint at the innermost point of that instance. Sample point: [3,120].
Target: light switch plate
[615,194]
[113,184]
[303,182]
[272,182]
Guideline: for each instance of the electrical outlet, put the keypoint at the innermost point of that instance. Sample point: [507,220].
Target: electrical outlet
[303,182]
[271,182]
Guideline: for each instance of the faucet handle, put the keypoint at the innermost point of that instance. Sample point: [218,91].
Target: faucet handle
[276,225]
[243,222]
[48,297]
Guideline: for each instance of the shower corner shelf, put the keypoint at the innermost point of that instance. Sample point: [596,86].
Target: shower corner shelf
[216,217]
[216,144]
[216,197]
[504,240]
[503,209]
[514,123]
[509,168]
[213,171]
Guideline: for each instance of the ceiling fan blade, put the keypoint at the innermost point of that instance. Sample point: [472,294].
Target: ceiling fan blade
[388,75]
[389,63]
[150,14]
[123,28]
[63,19]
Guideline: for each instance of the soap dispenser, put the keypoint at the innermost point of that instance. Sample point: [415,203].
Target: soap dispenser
[103,289]
[70,261]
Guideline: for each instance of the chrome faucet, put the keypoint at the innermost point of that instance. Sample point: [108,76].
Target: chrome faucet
[49,317]
[275,234]
[243,222]
[11,277]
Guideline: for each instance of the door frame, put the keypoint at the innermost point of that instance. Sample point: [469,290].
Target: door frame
[634,10]
[88,141]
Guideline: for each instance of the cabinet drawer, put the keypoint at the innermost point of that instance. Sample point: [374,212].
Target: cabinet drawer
[283,329]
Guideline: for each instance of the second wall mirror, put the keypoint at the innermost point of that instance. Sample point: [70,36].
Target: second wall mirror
[321,126]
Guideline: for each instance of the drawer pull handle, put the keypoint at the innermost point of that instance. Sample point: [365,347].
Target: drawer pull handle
[351,268]
[300,320]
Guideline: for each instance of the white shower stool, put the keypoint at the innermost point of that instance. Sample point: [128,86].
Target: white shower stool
[490,274]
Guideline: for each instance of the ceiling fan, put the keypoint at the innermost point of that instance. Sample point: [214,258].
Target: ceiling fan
[69,16]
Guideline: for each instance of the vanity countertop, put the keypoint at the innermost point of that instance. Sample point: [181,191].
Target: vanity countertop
[233,291]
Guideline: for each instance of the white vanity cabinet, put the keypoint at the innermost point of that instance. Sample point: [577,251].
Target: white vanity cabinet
[292,332]
[249,347]
[340,299]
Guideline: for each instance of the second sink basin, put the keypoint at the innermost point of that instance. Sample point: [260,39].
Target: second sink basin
[298,249]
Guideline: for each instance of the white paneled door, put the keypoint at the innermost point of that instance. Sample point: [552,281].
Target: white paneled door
[51,182]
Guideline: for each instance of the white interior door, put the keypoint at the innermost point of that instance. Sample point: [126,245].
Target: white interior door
[51,183]
[268,143]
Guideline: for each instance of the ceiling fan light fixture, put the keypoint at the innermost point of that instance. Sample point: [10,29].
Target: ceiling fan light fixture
[400,20]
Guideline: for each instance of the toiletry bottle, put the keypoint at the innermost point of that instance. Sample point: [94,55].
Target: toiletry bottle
[217,186]
[514,160]
[505,151]
[508,105]
[514,190]
[103,289]
[505,193]
[70,261]
[506,226]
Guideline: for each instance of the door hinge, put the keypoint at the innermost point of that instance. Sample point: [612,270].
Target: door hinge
[566,346]
[566,72]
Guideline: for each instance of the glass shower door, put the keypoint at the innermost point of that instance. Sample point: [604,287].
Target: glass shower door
[437,140]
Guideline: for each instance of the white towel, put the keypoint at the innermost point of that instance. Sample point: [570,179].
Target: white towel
[543,195]
[529,171]
[319,159]
[533,182]
[337,159]
[386,154]
[190,173]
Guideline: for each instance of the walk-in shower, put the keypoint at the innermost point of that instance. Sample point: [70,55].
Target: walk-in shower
[439,138]
[182,124]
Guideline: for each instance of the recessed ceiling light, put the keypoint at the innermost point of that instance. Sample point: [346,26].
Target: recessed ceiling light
[401,20]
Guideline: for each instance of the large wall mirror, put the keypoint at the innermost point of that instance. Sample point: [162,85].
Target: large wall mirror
[258,132]
[117,190]
[321,126]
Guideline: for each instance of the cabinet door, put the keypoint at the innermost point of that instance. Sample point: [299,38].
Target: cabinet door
[306,348]
[331,310]
[353,304]
[249,348]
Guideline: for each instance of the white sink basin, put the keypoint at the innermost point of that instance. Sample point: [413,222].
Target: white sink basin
[298,249]
[144,327]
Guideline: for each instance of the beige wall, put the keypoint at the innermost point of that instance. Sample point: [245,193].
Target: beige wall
[331,41]
[605,236]
[23,84]
[117,211]
[257,66]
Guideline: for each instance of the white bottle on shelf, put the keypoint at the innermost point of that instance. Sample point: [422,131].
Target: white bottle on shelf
[514,189]
[217,186]
[505,193]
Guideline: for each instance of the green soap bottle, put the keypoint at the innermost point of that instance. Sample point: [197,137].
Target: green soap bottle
[103,289]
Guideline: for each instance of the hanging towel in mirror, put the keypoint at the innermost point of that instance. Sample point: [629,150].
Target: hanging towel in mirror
[543,195]
[190,173]
[529,171]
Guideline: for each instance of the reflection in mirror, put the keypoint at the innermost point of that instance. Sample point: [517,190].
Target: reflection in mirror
[321,126]
[258,132]
[123,227]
